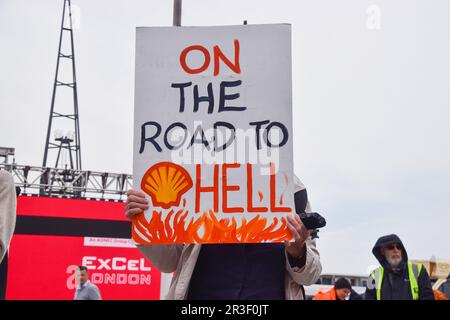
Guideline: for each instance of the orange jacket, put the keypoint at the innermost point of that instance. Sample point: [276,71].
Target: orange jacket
[438,295]
[326,295]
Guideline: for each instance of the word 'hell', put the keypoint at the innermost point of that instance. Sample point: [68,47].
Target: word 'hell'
[226,188]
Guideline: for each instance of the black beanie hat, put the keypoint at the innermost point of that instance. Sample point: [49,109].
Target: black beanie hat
[342,283]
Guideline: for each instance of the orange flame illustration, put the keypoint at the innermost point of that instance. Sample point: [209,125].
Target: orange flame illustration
[207,229]
[286,180]
[261,196]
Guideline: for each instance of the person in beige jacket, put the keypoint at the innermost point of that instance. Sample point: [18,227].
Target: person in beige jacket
[7,211]
[182,259]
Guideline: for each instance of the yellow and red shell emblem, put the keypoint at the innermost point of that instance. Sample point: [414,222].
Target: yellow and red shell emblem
[165,183]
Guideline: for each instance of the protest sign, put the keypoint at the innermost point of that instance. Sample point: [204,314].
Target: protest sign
[213,134]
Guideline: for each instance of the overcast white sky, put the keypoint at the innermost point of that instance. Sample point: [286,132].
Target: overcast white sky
[371,106]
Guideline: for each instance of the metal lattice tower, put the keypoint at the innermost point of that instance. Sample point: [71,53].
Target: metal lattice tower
[70,142]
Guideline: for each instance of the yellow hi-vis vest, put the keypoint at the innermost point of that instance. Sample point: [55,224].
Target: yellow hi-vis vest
[413,274]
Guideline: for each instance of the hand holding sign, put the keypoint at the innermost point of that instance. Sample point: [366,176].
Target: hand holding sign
[136,203]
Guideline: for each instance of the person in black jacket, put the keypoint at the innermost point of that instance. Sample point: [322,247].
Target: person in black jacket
[354,295]
[397,278]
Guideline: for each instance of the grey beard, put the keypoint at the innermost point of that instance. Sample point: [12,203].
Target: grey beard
[394,263]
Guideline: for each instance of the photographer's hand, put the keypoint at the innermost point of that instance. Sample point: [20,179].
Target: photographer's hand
[296,249]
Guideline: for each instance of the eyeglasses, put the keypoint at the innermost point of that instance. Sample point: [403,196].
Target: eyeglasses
[394,246]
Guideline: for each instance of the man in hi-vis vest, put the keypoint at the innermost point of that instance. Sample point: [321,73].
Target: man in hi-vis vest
[397,278]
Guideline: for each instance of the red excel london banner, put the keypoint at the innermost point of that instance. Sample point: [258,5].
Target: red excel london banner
[42,260]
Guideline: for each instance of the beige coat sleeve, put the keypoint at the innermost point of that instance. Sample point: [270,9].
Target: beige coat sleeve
[8,204]
[310,272]
[164,257]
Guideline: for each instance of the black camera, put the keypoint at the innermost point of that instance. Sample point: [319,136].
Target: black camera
[311,220]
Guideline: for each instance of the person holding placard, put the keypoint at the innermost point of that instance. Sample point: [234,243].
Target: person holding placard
[272,271]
